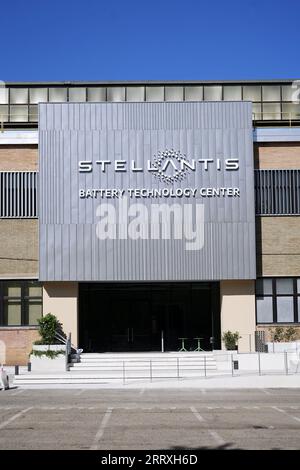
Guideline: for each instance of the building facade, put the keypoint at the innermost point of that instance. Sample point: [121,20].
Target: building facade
[137,212]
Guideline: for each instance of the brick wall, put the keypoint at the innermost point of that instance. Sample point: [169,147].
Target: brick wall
[18,344]
[266,329]
[18,248]
[18,157]
[278,246]
[277,155]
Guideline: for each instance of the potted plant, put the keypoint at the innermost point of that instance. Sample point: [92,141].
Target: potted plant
[231,339]
[48,352]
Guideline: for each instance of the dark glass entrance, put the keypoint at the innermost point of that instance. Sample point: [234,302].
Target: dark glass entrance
[135,316]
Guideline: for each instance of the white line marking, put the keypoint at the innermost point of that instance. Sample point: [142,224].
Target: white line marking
[265,391]
[17,393]
[101,429]
[142,391]
[213,434]
[16,416]
[197,414]
[283,411]
[217,437]
[79,393]
[203,391]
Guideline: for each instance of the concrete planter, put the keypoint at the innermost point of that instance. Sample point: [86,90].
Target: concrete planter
[281,347]
[44,363]
[49,347]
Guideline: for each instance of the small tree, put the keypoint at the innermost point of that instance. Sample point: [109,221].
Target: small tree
[230,339]
[49,325]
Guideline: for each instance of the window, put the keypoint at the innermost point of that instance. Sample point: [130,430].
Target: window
[251,93]
[154,93]
[18,95]
[271,111]
[96,94]
[3,113]
[271,93]
[173,93]
[57,95]
[212,93]
[77,95]
[3,94]
[135,93]
[38,95]
[116,94]
[287,92]
[278,300]
[290,111]
[232,93]
[18,195]
[20,303]
[18,113]
[277,192]
[194,93]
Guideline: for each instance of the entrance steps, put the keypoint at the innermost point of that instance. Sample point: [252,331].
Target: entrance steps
[113,362]
[111,367]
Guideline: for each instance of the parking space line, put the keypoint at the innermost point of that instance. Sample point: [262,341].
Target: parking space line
[266,392]
[79,393]
[17,393]
[213,434]
[287,414]
[101,429]
[14,417]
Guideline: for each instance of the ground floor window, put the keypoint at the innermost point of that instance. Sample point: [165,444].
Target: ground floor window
[20,303]
[278,300]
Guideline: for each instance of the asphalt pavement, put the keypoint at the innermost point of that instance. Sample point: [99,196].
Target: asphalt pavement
[150,419]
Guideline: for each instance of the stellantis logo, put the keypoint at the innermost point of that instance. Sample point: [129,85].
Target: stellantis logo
[170,166]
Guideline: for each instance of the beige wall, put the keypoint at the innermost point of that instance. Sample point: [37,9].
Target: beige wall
[277,155]
[18,248]
[61,299]
[18,157]
[278,246]
[238,311]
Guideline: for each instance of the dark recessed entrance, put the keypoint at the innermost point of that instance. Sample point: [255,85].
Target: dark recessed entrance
[134,316]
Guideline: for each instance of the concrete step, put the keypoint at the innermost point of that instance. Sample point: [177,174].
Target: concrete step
[109,368]
[90,378]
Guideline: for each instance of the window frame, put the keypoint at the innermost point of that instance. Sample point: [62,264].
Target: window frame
[274,296]
[24,299]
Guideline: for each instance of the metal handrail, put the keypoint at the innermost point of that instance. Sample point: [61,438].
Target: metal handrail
[284,116]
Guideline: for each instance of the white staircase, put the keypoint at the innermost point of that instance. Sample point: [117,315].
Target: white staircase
[113,367]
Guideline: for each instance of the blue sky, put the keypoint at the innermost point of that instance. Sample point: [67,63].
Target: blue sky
[149,40]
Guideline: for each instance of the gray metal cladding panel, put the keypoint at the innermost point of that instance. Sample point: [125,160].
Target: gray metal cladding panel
[171,220]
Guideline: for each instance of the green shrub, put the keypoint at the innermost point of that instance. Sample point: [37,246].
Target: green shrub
[48,327]
[50,354]
[230,339]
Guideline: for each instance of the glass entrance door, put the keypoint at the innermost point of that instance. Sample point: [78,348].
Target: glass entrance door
[133,328]
[133,316]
